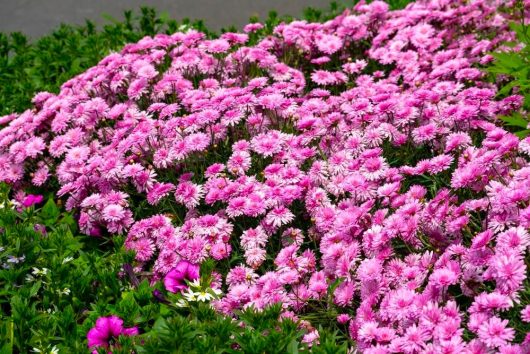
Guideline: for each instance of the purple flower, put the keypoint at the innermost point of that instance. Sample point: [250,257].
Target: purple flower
[175,280]
[106,329]
[95,232]
[40,229]
[157,294]
[32,199]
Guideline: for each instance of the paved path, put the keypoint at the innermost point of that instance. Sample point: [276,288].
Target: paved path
[38,17]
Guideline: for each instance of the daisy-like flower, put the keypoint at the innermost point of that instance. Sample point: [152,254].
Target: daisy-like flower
[254,238]
[189,194]
[144,249]
[190,295]
[48,350]
[113,212]
[204,296]
[39,272]
[323,77]
[374,167]
[495,332]
[239,163]
[525,313]
[267,144]
[159,191]
[255,257]
[279,216]
[509,271]
[329,44]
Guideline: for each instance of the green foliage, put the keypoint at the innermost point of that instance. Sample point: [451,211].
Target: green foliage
[204,331]
[54,285]
[511,69]
[49,278]
[27,68]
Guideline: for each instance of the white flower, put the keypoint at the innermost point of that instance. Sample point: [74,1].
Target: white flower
[181,303]
[190,295]
[204,296]
[217,291]
[52,350]
[65,291]
[67,259]
[196,283]
[184,28]
[39,272]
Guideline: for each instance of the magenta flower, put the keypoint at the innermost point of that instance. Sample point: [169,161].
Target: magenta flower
[32,199]
[175,280]
[40,229]
[107,329]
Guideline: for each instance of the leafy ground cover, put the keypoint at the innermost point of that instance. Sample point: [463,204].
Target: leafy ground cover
[56,284]
[348,184]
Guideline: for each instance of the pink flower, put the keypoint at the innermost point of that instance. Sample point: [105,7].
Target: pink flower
[509,271]
[34,147]
[329,44]
[106,330]
[189,194]
[252,27]
[255,256]
[32,199]
[159,191]
[113,212]
[279,216]
[343,318]
[323,77]
[495,333]
[175,280]
[525,314]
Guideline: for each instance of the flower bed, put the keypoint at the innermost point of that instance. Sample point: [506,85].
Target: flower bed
[352,170]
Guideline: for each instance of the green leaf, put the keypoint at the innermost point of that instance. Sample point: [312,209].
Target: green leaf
[522,134]
[35,288]
[160,325]
[516,120]
[50,212]
[292,348]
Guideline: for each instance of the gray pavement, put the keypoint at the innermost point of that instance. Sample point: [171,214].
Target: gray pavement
[39,17]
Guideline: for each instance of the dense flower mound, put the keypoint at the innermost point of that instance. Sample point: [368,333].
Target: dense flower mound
[355,165]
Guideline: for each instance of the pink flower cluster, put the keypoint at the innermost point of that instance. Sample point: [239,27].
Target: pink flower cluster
[299,157]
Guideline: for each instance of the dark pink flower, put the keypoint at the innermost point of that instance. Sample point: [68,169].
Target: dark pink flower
[32,199]
[106,329]
[175,280]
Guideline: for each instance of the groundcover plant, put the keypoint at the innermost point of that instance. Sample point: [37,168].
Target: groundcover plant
[351,174]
